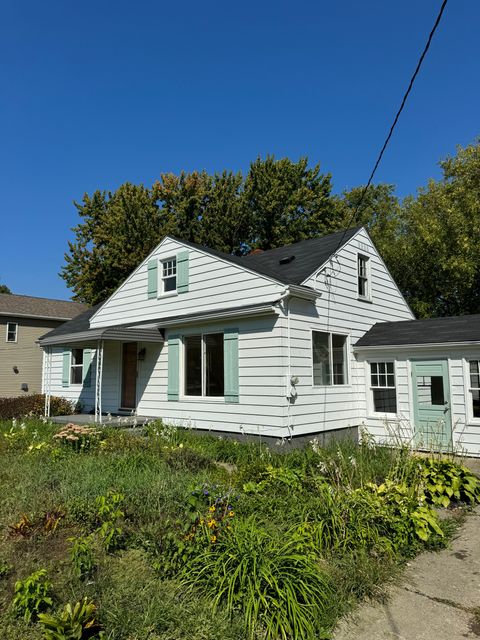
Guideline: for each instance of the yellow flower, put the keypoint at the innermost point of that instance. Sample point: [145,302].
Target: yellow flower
[211,523]
[231,514]
[213,538]
[212,508]
[202,521]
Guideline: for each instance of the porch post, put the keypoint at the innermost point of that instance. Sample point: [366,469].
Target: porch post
[98,382]
[47,381]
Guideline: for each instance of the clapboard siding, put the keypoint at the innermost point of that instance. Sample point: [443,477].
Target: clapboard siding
[25,354]
[466,429]
[213,284]
[339,310]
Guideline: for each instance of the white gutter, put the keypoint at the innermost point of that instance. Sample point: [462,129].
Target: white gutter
[428,345]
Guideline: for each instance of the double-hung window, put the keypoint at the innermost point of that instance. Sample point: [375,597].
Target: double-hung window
[363,275]
[76,366]
[12,330]
[382,385]
[204,365]
[329,355]
[169,275]
[474,370]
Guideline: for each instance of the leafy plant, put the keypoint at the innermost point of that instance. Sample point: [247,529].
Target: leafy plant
[32,595]
[75,622]
[285,592]
[445,482]
[23,528]
[82,556]
[108,514]
[275,476]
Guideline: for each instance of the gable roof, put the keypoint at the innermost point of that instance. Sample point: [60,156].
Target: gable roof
[80,322]
[12,304]
[291,264]
[446,330]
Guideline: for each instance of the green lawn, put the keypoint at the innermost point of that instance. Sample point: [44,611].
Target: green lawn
[173,535]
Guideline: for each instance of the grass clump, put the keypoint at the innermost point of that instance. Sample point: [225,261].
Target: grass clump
[176,535]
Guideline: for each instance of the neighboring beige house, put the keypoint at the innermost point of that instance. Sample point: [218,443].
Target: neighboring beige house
[23,319]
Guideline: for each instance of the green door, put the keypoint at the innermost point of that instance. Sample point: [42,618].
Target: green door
[431,405]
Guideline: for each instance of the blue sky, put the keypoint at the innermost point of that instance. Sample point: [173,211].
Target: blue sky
[97,93]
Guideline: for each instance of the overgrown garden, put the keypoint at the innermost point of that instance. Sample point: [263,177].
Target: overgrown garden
[167,534]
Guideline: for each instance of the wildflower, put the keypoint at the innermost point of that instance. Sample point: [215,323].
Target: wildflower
[211,524]
[213,539]
[231,514]
[212,508]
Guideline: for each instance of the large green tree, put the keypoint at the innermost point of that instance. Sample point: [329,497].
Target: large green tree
[4,289]
[286,201]
[436,255]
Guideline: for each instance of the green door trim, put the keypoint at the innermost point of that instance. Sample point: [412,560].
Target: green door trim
[432,420]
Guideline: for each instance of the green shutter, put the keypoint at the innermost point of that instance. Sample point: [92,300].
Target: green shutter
[87,367]
[230,363]
[173,367]
[152,278]
[182,272]
[66,368]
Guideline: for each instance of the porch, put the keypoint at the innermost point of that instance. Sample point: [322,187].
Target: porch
[106,420]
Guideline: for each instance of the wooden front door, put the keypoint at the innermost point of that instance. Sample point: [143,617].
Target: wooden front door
[129,375]
[431,404]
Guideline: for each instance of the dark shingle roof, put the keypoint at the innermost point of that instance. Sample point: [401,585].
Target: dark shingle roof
[307,255]
[12,304]
[81,322]
[429,331]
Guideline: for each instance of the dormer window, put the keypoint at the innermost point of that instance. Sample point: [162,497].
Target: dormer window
[363,274]
[169,275]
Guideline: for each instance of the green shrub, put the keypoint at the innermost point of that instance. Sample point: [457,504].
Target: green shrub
[283,592]
[75,622]
[34,405]
[82,556]
[445,482]
[32,595]
[109,514]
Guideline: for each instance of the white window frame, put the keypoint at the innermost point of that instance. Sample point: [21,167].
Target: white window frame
[162,278]
[15,324]
[471,419]
[183,369]
[366,277]
[330,350]
[368,374]
[76,366]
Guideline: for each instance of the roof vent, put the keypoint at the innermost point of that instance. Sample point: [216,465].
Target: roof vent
[286,260]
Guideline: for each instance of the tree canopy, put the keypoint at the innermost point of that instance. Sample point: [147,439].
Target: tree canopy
[4,289]
[430,242]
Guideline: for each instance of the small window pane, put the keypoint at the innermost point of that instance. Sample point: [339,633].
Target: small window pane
[475,381]
[12,331]
[430,390]
[474,366]
[214,372]
[385,400]
[170,284]
[77,356]
[321,358]
[390,380]
[76,377]
[476,404]
[193,365]
[389,366]
[374,380]
[169,275]
[339,344]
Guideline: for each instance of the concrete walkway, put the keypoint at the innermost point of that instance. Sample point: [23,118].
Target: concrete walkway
[439,598]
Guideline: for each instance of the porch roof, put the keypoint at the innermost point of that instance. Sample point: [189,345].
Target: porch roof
[79,330]
[447,331]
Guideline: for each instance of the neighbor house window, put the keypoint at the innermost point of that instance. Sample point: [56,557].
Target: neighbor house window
[76,366]
[329,353]
[363,267]
[204,369]
[12,329]
[475,387]
[382,383]
[169,275]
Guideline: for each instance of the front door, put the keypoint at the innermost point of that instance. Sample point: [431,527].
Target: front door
[129,375]
[431,404]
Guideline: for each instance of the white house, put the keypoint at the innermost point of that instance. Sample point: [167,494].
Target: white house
[276,343]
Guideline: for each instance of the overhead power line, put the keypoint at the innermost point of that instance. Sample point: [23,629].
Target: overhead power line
[354,215]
